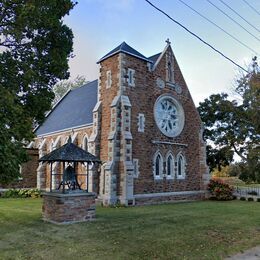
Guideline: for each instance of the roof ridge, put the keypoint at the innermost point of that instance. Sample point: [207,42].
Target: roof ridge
[125,48]
[84,85]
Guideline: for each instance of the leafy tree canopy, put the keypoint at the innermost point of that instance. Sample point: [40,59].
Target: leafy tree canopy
[233,127]
[35,46]
[63,86]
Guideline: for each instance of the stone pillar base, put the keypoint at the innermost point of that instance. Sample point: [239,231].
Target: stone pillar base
[59,208]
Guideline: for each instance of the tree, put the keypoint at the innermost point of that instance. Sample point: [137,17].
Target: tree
[232,127]
[63,86]
[35,47]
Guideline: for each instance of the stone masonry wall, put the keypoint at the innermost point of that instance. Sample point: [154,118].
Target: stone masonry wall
[142,97]
[68,208]
[165,199]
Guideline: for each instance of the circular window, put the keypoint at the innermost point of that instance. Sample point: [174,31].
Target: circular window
[169,115]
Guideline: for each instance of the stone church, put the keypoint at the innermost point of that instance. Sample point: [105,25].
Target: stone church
[139,118]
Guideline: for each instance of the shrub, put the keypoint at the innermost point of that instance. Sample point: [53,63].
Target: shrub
[220,190]
[258,199]
[250,199]
[21,193]
[242,198]
[253,192]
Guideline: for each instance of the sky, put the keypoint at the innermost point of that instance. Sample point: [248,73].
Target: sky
[101,25]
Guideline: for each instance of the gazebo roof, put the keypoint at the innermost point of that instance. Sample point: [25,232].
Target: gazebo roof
[69,152]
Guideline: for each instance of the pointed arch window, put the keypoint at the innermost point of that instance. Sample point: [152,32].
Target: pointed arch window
[181,167]
[52,146]
[85,143]
[158,166]
[169,166]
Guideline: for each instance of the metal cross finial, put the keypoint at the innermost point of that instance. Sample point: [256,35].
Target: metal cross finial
[168,41]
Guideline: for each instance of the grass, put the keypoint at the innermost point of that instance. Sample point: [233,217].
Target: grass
[198,230]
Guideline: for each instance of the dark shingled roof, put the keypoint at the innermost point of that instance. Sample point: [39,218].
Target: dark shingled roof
[74,109]
[155,57]
[125,48]
[69,152]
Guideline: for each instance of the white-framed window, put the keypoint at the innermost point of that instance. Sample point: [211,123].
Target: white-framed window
[20,178]
[181,165]
[56,143]
[141,122]
[158,166]
[169,166]
[66,139]
[131,78]
[170,68]
[109,79]
[85,143]
[136,168]
[52,146]
[74,138]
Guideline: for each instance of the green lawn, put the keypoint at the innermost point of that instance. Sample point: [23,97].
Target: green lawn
[198,230]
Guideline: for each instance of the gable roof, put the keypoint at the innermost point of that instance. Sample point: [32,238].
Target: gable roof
[124,48]
[74,109]
[155,57]
[160,55]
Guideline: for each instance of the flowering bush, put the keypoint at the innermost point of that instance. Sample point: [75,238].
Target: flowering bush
[220,190]
[22,193]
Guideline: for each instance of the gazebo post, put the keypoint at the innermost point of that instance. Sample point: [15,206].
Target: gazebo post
[63,168]
[87,175]
[63,181]
[76,177]
[51,179]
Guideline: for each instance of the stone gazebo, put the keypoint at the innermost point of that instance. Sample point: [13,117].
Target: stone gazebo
[70,201]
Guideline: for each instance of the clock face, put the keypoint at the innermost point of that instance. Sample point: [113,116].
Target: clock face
[169,115]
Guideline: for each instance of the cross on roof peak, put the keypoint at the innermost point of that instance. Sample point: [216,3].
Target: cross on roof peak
[168,41]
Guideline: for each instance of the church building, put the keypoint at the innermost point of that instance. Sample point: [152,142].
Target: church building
[140,120]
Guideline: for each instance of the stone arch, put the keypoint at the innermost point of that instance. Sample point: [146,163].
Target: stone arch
[170,165]
[181,166]
[85,141]
[158,165]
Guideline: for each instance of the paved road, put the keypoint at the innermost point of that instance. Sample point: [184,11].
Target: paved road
[250,254]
